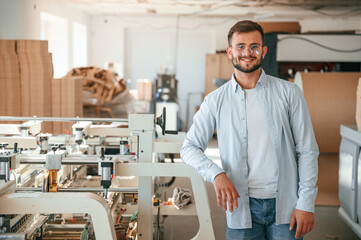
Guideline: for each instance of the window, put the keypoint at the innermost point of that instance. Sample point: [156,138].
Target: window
[55,30]
[80,57]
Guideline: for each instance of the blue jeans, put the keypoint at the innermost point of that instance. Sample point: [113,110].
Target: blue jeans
[263,212]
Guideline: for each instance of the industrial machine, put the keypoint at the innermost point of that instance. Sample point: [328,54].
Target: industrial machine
[97,183]
[350,178]
[166,97]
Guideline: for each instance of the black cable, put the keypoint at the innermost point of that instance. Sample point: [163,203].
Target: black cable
[167,184]
[317,7]
[338,14]
[320,45]
[158,226]
[171,157]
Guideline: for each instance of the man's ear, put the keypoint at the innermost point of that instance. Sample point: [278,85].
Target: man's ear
[229,52]
[264,50]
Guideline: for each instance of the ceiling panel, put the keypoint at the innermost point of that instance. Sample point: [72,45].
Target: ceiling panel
[296,9]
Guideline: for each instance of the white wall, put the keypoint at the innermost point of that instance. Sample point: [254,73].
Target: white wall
[142,43]
[20,19]
[331,24]
[330,48]
[106,40]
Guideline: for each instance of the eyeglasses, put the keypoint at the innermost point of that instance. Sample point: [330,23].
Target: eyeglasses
[254,49]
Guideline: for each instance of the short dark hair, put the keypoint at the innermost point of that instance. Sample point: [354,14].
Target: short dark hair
[245,26]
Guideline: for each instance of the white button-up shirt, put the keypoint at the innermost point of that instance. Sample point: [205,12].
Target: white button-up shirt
[292,138]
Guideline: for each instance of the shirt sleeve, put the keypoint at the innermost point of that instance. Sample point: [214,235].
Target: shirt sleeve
[306,150]
[196,141]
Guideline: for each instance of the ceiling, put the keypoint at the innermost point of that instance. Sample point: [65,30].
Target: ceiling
[258,9]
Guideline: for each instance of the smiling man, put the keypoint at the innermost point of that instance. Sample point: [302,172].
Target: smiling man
[267,183]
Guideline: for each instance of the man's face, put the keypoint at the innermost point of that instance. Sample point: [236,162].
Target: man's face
[247,51]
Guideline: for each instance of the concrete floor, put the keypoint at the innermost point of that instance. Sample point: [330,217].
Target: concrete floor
[328,224]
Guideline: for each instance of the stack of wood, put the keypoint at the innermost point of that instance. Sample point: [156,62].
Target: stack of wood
[67,102]
[100,82]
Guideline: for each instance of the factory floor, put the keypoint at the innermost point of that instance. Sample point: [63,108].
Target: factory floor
[328,224]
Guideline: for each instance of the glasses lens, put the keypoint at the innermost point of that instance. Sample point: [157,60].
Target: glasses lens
[253,49]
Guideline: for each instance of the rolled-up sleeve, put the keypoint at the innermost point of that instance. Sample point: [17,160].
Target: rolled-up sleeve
[306,150]
[196,141]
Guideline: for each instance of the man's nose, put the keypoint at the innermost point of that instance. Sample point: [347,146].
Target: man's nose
[246,52]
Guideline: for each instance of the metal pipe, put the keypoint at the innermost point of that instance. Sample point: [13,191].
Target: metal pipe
[3,168]
[76,157]
[65,226]
[74,160]
[106,173]
[188,106]
[120,189]
[56,119]
[63,162]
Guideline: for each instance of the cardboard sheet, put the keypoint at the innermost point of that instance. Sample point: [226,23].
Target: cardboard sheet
[331,100]
[71,100]
[283,27]
[358,106]
[328,180]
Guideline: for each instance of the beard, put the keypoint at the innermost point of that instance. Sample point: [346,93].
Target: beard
[247,70]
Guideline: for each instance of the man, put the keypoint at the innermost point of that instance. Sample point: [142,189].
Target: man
[267,146]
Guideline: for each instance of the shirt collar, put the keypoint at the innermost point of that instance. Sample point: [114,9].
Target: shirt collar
[261,81]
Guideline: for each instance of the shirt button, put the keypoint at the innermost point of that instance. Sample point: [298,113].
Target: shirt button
[242,100]
[243,119]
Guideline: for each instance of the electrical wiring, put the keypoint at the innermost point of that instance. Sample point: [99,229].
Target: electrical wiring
[339,14]
[317,3]
[321,45]
[204,7]
[120,214]
[318,6]
[150,26]
[244,4]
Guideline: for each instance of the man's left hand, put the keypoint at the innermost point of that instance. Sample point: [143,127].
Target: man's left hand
[305,221]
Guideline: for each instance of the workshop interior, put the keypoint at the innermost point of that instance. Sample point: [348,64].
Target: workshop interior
[96,98]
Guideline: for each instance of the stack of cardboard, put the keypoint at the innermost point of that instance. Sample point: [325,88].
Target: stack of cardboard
[10,92]
[71,98]
[56,105]
[67,102]
[100,82]
[145,89]
[27,87]
[217,66]
[36,73]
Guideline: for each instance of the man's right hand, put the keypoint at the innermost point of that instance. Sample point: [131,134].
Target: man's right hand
[225,191]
